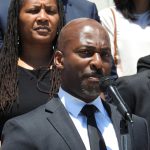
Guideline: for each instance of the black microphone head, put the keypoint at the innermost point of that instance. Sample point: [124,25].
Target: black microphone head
[106,81]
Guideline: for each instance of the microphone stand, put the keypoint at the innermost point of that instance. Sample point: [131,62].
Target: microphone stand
[126,125]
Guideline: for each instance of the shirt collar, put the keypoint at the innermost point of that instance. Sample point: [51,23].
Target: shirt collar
[74,105]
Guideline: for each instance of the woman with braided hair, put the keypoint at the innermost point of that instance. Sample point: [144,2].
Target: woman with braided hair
[27,75]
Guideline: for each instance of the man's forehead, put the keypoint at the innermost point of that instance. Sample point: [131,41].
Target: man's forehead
[81,28]
[90,33]
[80,23]
[84,31]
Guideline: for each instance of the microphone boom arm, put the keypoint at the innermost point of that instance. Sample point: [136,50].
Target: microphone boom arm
[118,100]
[108,83]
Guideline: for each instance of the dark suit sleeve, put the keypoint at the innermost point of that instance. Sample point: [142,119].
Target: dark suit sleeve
[94,12]
[140,134]
[126,91]
[15,137]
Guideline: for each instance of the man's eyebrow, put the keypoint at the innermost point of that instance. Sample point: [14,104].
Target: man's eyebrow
[107,48]
[90,47]
[86,46]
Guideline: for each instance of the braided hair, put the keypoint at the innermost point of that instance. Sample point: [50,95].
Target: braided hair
[126,7]
[9,55]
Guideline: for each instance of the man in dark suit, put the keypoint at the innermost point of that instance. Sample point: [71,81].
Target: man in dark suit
[135,89]
[83,57]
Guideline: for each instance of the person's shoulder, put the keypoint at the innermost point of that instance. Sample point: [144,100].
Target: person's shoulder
[28,123]
[4,6]
[36,115]
[33,115]
[87,2]
[139,120]
[140,132]
[80,8]
[107,16]
[131,79]
[27,126]
[78,2]
[110,13]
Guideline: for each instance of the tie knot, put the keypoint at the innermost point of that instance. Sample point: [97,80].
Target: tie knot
[89,110]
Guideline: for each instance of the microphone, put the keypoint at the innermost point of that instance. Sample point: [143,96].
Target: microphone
[108,84]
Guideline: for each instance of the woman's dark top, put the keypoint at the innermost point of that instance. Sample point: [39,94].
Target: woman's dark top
[30,96]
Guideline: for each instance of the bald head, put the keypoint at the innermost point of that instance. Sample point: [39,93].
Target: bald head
[76,28]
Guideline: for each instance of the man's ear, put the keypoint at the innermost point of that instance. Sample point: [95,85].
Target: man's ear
[59,59]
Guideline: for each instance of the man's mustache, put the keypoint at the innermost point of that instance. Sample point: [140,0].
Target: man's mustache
[98,74]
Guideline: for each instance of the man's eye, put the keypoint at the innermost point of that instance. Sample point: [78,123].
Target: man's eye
[105,55]
[85,53]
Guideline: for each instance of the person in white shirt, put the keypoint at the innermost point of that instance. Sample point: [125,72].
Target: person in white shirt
[131,19]
[83,57]
[101,4]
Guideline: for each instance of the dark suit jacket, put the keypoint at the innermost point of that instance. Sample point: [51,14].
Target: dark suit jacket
[49,127]
[4,4]
[74,9]
[135,91]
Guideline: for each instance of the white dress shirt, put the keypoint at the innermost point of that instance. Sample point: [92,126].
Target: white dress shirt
[74,106]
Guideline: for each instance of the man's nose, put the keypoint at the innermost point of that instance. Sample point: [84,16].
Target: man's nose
[96,62]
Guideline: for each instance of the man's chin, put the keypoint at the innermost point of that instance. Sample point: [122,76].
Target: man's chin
[90,88]
[91,92]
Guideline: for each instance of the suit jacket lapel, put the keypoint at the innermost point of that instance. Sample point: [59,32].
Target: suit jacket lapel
[61,121]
